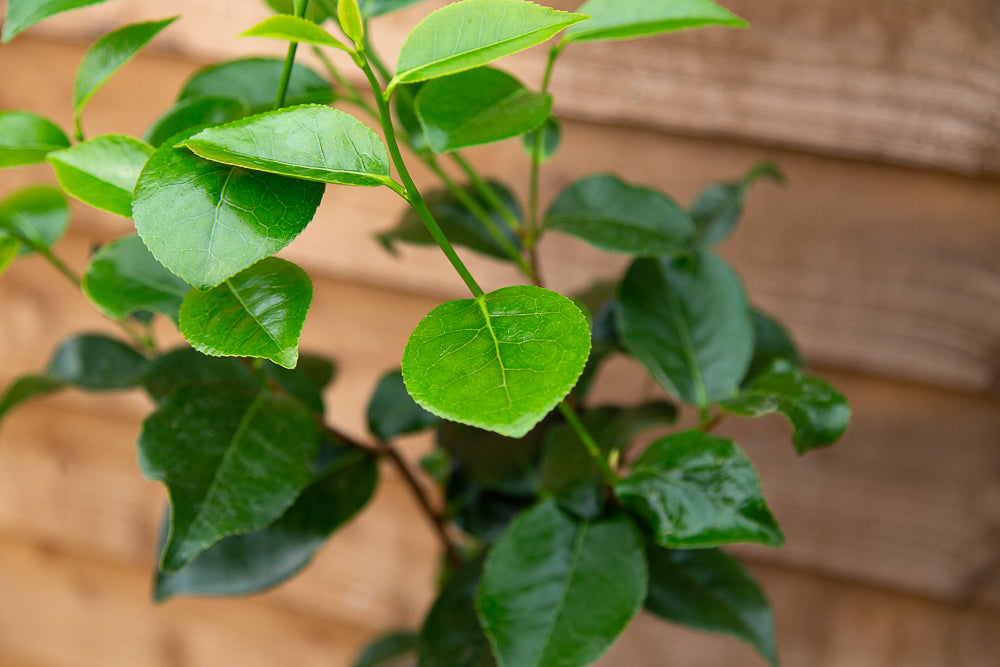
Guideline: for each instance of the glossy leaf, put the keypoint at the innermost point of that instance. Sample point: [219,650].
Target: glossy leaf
[191,113]
[695,490]
[458,223]
[387,650]
[233,460]
[551,134]
[615,216]
[22,14]
[549,576]
[818,412]
[312,142]
[476,107]
[123,278]
[26,138]
[207,222]
[36,217]
[629,19]
[253,81]
[501,361]
[258,560]
[688,321]
[108,54]
[293,29]
[102,172]
[771,341]
[185,366]
[720,205]
[259,312]
[708,590]
[478,32]
[451,635]
[392,412]
[373,8]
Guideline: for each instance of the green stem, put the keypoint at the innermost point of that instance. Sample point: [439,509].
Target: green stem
[78,126]
[536,158]
[487,192]
[372,56]
[588,441]
[286,72]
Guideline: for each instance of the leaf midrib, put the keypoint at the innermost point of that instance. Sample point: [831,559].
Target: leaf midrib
[253,316]
[577,550]
[481,302]
[687,346]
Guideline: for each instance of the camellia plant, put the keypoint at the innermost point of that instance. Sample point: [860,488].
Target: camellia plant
[555,531]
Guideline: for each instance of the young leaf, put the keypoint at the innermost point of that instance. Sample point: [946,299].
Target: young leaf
[819,413]
[476,107]
[123,278]
[500,361]
[615,216]
[102,172]
[629,19]
[470,33]
[551,133]
[695,490]
[719,206]
[688,321]
[349,17]
[9,249]
[22,14]
[549,576]
[392,412]
[207,222]
[26,138]
[771,341]
[708,590]
[108,54]
[317,11]
[311,142]
[233,461]
[458,223]
[451,636]
[373,8]
[255,561]
[36,217]
[259,312]
[193,112]
[387,650]
[252,81]
[294,29]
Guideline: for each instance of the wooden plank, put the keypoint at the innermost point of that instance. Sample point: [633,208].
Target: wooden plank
[914,85]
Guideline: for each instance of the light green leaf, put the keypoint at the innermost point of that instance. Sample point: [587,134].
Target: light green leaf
[708,590]
[818,412]
[549,577]
[233,460]
[451,636]
[123,277]
[207,222]
[193,112]
[255,561]
[317,11]
[22,14]
[373,8]
[26,138]
[9,249]
[719,206]
[476,107]
[629,19]
[293,29]
[259,312]
[694,490]
[102,172]
[311,142]
[771,341]
[392,412]
[387,650]
[501,361]
[36,217]
[688,321]
[349,17]
[551,133]
[108,54]
[470,33]
[615,216]
[253,81]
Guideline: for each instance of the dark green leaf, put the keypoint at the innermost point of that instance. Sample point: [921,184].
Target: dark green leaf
[459,224]
[26,138]
[253,82]
[688,321]
[293,29]
[102,172]
[603,342]
[629,19]
[479,31]
[191,113]
[311,141]
[259,312]
[186,366]
[387,650]
[306,381]
[476,107]
[108,54]
[22,14]
[708,590]
[27,387]
[372,8]
[207,222]
[501,361]
[818,412]
[233,461]
[551,133]
[615,216]
[392,412]
[258,560]
[36,217]
[123,278]
[719,206]
[97,363]
[549,577]
[695,490]
[451,636]
[771,341]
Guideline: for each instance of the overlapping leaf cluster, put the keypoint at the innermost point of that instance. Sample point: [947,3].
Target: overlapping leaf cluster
[557,529]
